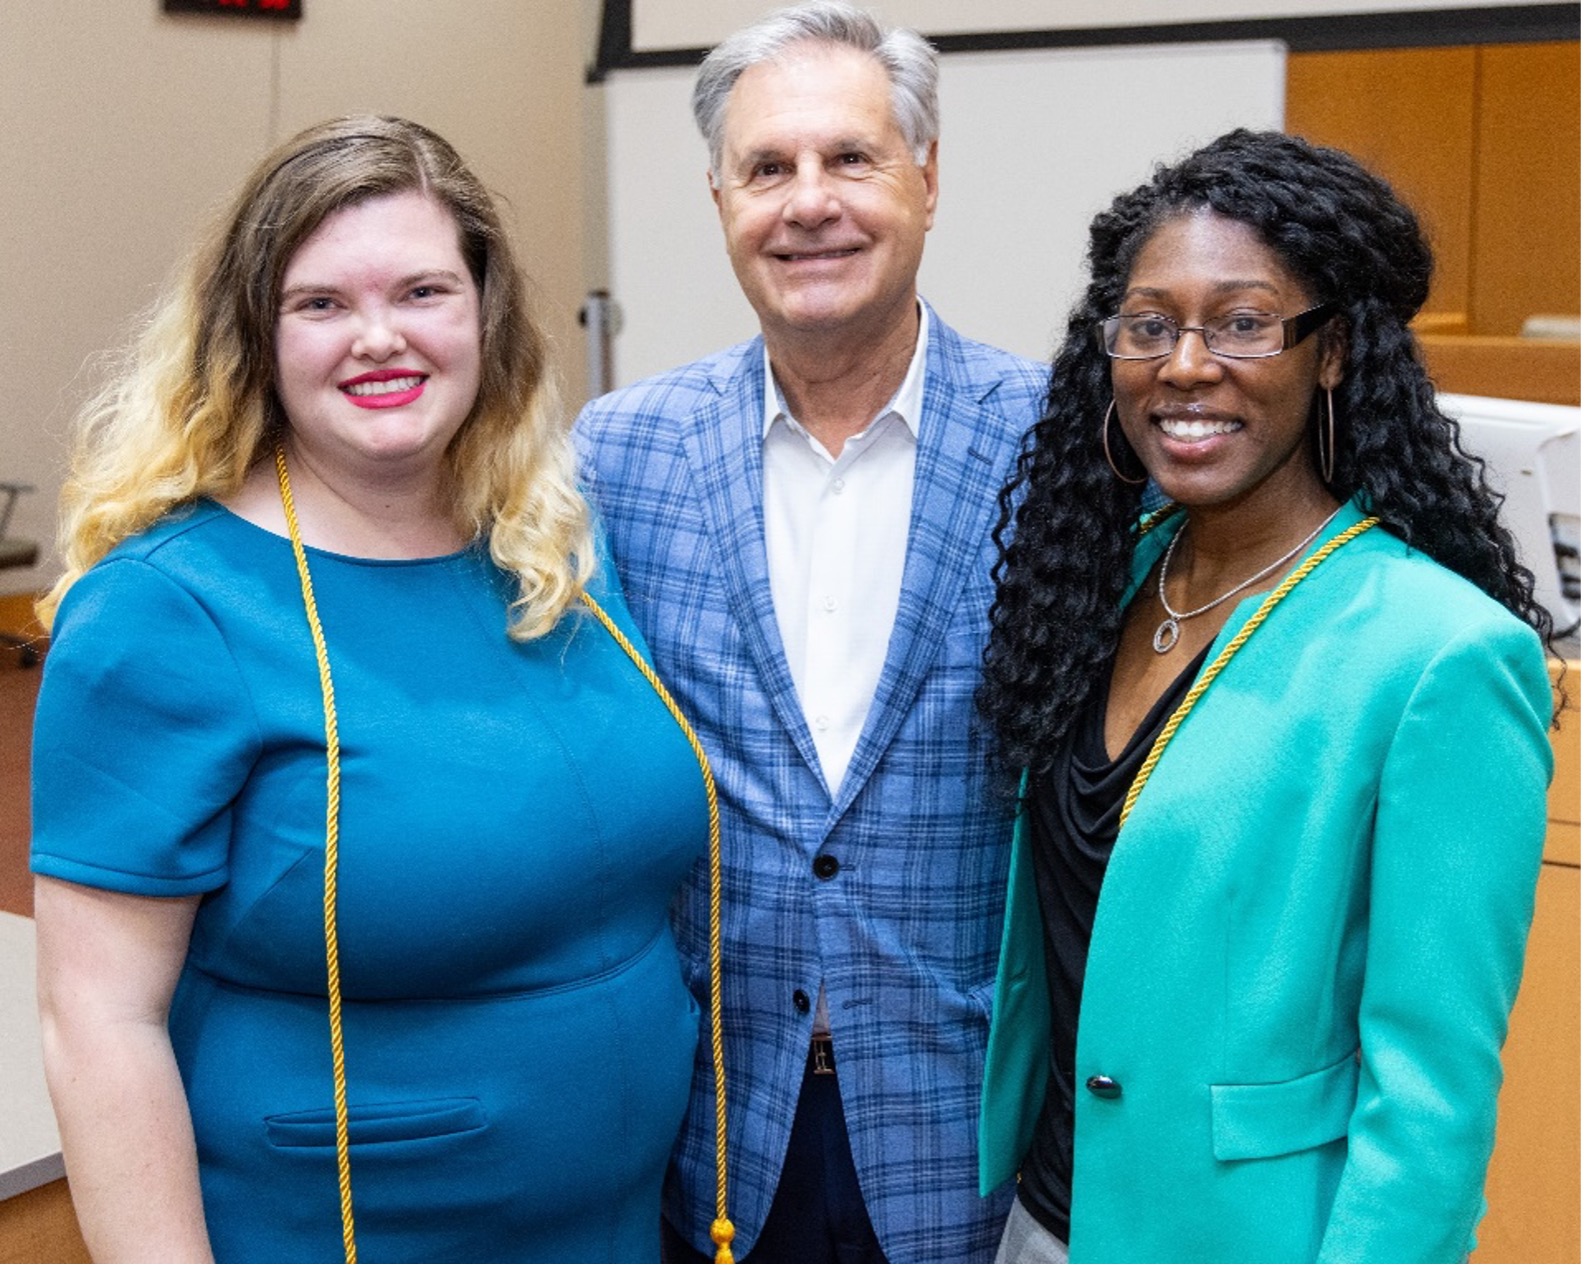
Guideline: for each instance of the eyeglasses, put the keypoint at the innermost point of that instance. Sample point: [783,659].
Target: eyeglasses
[1241,336]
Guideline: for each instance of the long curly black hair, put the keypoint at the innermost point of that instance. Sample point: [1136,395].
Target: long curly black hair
[1066,532]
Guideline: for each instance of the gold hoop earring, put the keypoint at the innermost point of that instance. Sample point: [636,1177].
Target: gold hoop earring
[1327,441]
[1106,446]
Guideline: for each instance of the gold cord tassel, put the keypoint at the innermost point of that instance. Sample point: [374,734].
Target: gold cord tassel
[721,1229]
[338,1057]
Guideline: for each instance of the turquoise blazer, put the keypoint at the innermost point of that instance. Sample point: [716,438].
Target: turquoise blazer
[1308,939]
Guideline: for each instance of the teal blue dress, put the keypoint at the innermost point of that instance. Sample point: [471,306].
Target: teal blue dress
[515,820]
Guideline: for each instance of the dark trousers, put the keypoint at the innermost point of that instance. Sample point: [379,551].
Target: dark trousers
[818,1211]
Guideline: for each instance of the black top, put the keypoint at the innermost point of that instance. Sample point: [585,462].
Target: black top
[1072,822]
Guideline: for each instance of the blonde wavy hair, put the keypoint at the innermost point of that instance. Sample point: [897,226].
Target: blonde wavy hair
[193,406]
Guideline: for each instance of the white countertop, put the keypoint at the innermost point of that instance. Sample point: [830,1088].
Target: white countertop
[30,1146]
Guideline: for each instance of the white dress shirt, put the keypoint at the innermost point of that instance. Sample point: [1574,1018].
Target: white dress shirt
[836,537]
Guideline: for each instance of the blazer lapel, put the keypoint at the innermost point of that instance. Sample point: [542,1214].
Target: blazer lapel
[725,447]
[965,451]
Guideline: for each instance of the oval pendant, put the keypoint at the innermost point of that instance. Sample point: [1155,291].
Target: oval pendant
[1166,636]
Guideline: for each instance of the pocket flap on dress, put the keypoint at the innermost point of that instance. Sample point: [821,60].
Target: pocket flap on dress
[377,1122]
[1255,1121]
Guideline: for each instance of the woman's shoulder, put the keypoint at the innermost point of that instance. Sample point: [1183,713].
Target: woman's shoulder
[184,560]
[1403,616]
[1409,586]
[199,528]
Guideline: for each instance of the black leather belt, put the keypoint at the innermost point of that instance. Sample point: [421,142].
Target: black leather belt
[822,1062]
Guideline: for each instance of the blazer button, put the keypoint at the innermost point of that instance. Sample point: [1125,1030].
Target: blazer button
[1104,1087]
[800,1001]
[826,866]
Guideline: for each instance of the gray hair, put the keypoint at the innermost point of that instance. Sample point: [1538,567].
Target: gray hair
[909,63]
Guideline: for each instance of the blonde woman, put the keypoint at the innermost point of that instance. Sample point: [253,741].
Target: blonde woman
[354,830]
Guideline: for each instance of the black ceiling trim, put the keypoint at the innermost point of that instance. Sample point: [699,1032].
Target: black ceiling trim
[1494,24]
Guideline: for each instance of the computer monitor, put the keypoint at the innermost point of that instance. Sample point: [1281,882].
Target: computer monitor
[1532,455]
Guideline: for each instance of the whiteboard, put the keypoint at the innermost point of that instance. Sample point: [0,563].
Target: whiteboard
[666,24]
[1030,151]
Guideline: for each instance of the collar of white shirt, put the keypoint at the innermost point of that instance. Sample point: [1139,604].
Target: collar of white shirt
[907,403]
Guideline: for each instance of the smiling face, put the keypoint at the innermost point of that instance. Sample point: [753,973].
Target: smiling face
[1214,431]
[824,208]
[377,338]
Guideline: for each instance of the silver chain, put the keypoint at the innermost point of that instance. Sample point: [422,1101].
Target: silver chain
[1167,630]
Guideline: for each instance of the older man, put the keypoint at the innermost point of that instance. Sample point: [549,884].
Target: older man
[803,526]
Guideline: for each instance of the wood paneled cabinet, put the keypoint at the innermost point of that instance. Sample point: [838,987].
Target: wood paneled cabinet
[1484,142]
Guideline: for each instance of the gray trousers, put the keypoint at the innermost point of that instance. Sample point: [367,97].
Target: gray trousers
[1026,1242]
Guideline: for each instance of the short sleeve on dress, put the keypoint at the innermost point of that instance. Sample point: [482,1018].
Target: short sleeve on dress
[143,738]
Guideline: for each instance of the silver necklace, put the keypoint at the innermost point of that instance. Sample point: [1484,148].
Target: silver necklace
[1167,630]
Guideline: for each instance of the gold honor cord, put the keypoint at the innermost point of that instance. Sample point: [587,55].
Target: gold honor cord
[338,1058]
[1228,651]
[721,1230]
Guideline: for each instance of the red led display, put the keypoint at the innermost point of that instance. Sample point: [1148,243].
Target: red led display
[238,8]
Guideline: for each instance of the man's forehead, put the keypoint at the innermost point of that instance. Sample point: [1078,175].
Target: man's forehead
[812,70]
[824,105]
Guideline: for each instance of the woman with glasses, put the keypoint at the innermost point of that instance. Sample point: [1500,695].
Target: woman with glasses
[1284,745]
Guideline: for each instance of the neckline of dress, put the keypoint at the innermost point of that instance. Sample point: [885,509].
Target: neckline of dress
[351,558]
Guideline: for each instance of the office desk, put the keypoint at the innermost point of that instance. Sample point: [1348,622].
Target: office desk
[36,1218]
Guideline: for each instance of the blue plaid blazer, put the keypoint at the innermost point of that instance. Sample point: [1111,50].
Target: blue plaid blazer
[905,934]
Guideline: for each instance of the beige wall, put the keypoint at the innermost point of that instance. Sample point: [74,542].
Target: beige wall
[121,127]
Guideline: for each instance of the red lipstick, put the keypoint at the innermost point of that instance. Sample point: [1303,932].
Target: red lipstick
[384,388]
